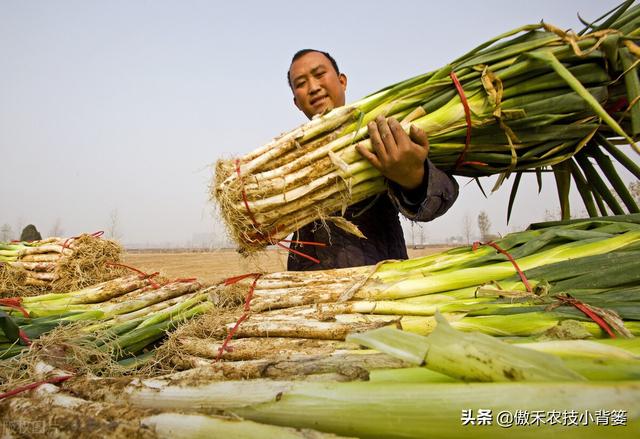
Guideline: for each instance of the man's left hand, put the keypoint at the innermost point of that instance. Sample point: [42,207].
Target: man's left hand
[398,156]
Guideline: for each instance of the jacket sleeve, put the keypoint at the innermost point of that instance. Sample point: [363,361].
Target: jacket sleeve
[431,199]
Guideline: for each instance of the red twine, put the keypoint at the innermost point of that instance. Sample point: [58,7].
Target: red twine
[185,280]
[24,337]
[319,244]
[14,302]
[244,196]
[586,310]
[262,236]
[617,106]
[474,163]
[244,316]
[142,274]
[54,380]
[567,300]
[97,234]
[236,279]
[467,116]
[525,281]
[299,253]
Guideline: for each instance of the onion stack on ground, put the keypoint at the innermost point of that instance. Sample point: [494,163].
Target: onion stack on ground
[121,316]
[53,413]
[444,375]
[56,264]
[298,321]
[452,373]
[538,98]
[493,344]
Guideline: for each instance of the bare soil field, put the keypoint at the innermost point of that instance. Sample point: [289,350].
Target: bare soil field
[217,265]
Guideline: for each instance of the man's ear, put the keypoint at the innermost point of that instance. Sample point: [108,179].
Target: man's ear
[295,102]
[343,80]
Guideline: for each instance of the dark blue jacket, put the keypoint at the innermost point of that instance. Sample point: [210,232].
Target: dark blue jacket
[377,218]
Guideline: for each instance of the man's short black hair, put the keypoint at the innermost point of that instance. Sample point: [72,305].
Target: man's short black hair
[302,52]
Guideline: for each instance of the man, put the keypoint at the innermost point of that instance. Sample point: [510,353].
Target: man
[417,189]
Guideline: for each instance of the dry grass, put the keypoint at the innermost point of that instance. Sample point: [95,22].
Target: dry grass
[218,265]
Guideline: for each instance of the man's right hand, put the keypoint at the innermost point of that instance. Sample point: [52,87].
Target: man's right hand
[398,156]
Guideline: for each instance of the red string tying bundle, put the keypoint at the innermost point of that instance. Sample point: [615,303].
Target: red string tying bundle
[617,105]
[24,337]
[67,242]
[589,312]
[247,309]
[142,274]
[15,303]
[185,279]
[244,196]
[54,380]
[268,238]
[566,300]
[524,279]
[467,115]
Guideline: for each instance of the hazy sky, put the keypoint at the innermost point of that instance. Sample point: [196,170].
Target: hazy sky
[123,106]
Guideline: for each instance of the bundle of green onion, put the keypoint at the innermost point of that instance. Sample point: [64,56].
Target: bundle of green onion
[305,332]
[454,376]
[52,413]
[448,380]
[595,261]
[38,258]
[56,264]
[123,315]
[537,98]
[582,279]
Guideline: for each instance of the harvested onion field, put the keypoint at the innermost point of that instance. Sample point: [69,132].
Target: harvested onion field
[217,265]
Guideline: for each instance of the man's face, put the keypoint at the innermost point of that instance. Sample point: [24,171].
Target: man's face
[316,86]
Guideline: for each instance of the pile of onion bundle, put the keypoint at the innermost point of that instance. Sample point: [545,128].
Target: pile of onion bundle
[402,409]
[457,372]
[442,353]
[56,264]
[276,358]
[437,379]
[536,97]
[582,280]
[121,316]
[49,412]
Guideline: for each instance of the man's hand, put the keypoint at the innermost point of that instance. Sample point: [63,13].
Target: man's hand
[398,156]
